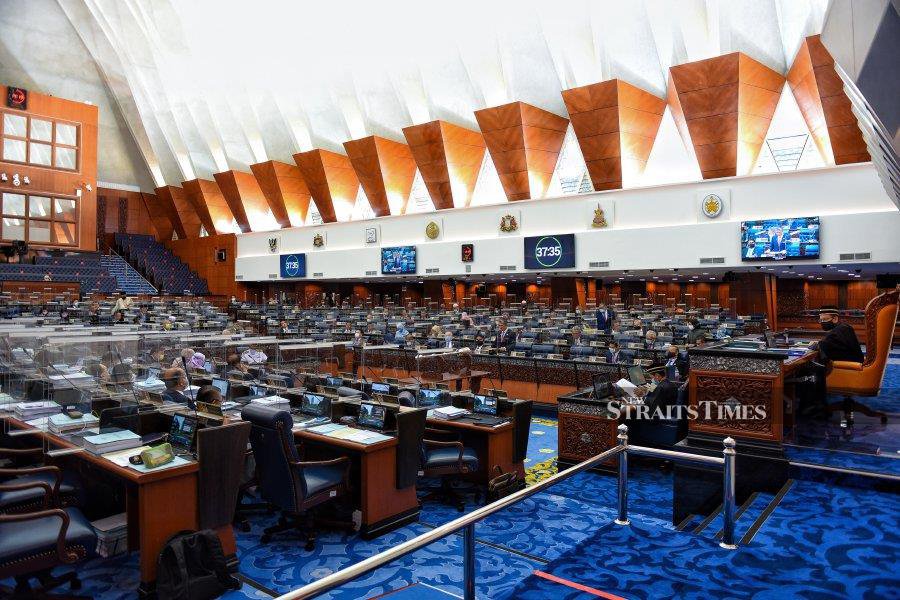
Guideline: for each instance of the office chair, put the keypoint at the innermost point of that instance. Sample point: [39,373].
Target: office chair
[32,544]
[24,490]
[406,398]
[293,486]
[447,460]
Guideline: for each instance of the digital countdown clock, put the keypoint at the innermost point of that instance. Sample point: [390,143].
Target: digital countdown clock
[550,251]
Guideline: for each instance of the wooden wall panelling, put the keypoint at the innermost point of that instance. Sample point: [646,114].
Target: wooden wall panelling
[449,157]
[187,213]
[385,169]
[158,216]
[616,124]
[524,142]
[200,255]
[166,196]
[723,107]
[331,181]
[135,217]
[285,191]
[210,204]
[49,181]
[825,106]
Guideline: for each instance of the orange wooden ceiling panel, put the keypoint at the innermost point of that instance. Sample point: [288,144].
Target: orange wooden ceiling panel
[523,138]
[384,168]
[331,181]
[159,216]
[228,184]
[194,194]
[614,120]
[723,107]
[820,95]
[285,191]
[208,192]
[166,198]
[445,152]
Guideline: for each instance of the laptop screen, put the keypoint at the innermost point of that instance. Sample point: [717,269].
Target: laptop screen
[485,405]
[334,381]
[258,390]
[182,431]
[222,385]
[429,398]
[636,375]
[371,415]
[153,373]
[207,366]
[314,404]
[381,388]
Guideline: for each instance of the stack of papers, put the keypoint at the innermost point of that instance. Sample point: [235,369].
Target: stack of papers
[448,413]
[62,423]
[351,434]
[270,400]
[150,385]
[627,387]
[41,408]
[112,535]
[111,442]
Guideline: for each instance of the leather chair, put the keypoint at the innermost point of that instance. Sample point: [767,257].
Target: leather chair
[293,486]
[448,459]
[32,544]
[852,379]
[24,490]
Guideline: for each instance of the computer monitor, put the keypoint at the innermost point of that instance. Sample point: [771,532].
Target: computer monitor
[315,405]
[222,385]
[208,366]
[371,415]
[334,381]
[484,405]
[182,431]
[381,388]
[426,398]
[636,375]
[258,390]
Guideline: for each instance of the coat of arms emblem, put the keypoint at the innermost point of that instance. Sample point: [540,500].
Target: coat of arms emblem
[508,223]
[273,245]
[318,240]
[599,218]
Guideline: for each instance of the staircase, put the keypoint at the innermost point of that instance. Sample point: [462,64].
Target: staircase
[128,279]
[159,265]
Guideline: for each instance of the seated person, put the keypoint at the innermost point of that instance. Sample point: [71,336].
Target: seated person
[661,392]
[676,366]
[184,357]
[358,339]
[436,332]
[209,394]
[123,303]
[448,342]
[465,321]
[283,329]
[400,334]
[253,356]
[650,339]
[840,343]
[235,366]
[575,338]
[612,353]
[143,315]
[479,342]
[119,318]
[176,382]
[198,361]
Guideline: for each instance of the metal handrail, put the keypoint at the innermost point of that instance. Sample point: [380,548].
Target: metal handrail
[467,522]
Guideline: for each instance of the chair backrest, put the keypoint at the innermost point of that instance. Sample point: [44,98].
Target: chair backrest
[881,318]
[410,431]
[274,451]
[221,453]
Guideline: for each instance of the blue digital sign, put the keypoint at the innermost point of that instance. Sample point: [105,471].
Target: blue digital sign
[293,265]
[550,251]
[399,260]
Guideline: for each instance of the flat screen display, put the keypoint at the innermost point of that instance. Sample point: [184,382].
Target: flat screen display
[484,405]
[293,265]
[371,415]
[550,251]
[429,398]
[381,388]
[780,239]
[399,260]
[182,431]
[315,405]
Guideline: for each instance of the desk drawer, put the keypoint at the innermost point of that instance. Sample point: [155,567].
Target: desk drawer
[582,436]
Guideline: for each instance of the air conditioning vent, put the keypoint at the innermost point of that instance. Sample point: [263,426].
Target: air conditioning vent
[468,268]
[507,267]
[273,275]
[432,270]
[863,256]
[238,277]
[846,256]
[599,265]
[713,260]
[371,273]
[318,274]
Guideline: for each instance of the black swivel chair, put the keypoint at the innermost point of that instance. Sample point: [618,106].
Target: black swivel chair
[32,544]
[448,459]
[293,486]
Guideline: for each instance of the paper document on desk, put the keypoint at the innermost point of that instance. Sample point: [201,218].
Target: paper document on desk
[175,462]
[372,437]
[627,387]
[326,428]
[342,433]
[121,457]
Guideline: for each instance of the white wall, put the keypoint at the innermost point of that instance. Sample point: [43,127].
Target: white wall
[658,227]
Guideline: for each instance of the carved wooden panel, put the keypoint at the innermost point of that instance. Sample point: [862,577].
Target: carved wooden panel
[722,107]
[449,159]
[385,169]
[524,142]
[616,124]
[166,196]
[583,436]
[825,106]
[737,404]
[210,204]
[331,182]
[285,191]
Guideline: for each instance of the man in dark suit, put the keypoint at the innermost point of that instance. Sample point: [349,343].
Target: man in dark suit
[777,242]
[505,338]
[840,343]
[176,382]
[664,393]
[605,318]
[612,353]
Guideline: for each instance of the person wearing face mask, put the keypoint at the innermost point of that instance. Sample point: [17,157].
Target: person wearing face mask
[840,341]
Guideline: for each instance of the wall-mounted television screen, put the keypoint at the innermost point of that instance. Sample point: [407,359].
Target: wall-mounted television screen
[399,260]
[780,239]
[550,251]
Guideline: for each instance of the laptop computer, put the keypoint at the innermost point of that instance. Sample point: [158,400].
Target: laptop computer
[371,416]
[484,410]
[223,385]
[381,388]
[183,433]
[426,398]
[335,382]
[315,409]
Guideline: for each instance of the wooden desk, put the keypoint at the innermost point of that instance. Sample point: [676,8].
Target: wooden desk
[585,429]
[494,446]
[158,504]
[383,506]
[474,379]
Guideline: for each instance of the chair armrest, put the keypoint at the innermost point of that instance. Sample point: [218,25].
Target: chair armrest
[327,463]
[48,491]
[64,557]
[57,474]
[847,365]
[20,452]
[457,445]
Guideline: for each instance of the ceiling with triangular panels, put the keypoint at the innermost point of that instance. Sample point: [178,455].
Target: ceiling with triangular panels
[213,87]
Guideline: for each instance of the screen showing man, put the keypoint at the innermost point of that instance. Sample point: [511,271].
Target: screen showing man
[371,415]
[314,404]
[429,398]
[485,405]
[780,239]
[181,433]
